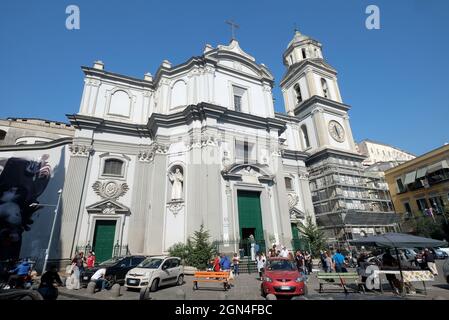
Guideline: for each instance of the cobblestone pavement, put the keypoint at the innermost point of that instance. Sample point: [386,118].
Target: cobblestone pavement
[247,287]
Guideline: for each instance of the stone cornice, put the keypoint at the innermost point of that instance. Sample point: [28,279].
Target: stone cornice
[328,151]
[203,111]
[109,126]
[88,71]
[317,63]
[323,103]
[294,155]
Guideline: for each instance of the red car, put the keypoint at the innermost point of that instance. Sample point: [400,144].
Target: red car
[282,278]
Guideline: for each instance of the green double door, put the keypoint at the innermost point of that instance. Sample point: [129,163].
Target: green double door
[250,218]
[104,239]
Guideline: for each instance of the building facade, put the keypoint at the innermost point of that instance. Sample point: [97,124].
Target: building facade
[20,131]
[420,187]
[153,159]
[377,152]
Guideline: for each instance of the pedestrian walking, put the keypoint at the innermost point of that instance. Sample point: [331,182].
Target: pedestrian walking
[261,264]
[430,260]
[49,282]
[308,262]
[299,258]
[339,261]
[329,264]
[235,262]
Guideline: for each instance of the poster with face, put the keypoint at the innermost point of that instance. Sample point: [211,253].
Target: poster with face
[22,181]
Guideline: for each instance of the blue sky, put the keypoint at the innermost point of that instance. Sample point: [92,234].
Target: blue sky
[395,79]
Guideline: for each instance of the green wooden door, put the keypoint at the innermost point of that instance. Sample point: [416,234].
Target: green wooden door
[250,216]
[296,243]
[104,239]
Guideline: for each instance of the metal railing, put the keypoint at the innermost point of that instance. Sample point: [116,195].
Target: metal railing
[242,247]
[117,250]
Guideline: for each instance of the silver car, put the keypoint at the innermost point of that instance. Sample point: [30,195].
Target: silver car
[155,272]
[446,270]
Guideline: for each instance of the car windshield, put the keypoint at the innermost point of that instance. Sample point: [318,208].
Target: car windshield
[151,263]
[109,262]
[284,265]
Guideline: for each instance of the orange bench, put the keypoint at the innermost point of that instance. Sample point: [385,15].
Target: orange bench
[209,276]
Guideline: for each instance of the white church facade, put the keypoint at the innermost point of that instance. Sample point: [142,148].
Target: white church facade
[152,159]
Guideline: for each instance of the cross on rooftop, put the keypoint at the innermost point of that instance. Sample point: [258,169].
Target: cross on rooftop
[233,27]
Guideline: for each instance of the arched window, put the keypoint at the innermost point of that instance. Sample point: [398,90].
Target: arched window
[288,183]
[179,94]
[325,88]
[298,92]
[305,134]
[2,134]
[113,167]
[303,50]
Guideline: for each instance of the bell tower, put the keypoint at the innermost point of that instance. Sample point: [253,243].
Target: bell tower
[311,93]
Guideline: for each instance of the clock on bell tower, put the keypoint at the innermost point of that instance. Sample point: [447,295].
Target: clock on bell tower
[311,94]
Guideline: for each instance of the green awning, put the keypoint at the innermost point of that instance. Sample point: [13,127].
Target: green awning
[410,177]
[421,173]
[438,166]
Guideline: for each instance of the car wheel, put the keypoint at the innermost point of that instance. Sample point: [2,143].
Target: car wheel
[180,280]
[262,292]
[306,290]
[154,285]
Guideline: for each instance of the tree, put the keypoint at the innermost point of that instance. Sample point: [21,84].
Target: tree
[197,252]
[428,227]
[180,250]
[313,235]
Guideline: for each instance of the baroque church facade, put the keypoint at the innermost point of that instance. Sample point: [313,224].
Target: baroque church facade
[199,143]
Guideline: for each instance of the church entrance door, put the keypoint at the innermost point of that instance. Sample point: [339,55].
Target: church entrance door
[104,239]
[250,220]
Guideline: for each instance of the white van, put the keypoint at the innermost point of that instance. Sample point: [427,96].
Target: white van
[155,272]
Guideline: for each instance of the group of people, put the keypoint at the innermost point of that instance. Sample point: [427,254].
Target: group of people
[78,264]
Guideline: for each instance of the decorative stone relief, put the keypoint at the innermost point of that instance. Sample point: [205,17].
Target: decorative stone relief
[293,200]
[208,140]
[226,160]
[155,148]
[78,150]
[146,156]
[303,176]
[175,206]
[110,189]
[109,209]
[317,109]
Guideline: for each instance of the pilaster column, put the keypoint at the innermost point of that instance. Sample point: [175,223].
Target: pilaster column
[320,127]
[349,132]
[311,84]
[71,202]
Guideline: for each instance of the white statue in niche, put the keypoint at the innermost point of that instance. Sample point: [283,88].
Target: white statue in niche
[176,178]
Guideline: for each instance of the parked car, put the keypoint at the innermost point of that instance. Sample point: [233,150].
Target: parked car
[116,269]
[155,272]
[440,254]
[444,249]
[282,278]
[446,270]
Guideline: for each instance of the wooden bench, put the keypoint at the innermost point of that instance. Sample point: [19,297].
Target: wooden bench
[340,280]
[209,276]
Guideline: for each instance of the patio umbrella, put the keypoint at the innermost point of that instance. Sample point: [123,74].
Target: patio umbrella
[398,240]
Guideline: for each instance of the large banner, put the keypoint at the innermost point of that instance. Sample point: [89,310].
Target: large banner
[22,181]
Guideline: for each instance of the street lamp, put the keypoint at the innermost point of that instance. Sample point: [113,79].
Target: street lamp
[47,251]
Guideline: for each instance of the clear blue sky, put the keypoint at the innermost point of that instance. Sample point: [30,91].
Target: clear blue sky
[395,79]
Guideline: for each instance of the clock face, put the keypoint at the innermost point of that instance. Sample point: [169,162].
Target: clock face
[336,131]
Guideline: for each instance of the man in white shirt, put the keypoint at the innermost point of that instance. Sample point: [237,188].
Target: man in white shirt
[284,252]
[99,278]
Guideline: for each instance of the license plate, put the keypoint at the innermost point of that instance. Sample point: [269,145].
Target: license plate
[132,281]
[86,278]
[285,288]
